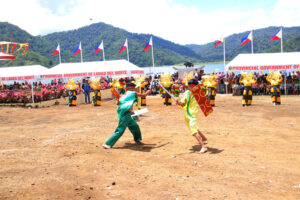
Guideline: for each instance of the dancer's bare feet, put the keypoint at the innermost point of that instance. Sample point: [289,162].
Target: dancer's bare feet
[203,150]
[139,143]
[105,146]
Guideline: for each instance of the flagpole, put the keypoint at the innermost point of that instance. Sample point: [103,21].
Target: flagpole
[59,55]
[152,55]
[103,51]
[153,73]
[224,54]
[81,52]
[281,41]
[127,50]
[252,42]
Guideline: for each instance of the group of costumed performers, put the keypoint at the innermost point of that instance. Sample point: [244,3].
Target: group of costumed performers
[124,113]
[192,99]
[247,80]
[166,82]
[274,78]
[72,86]
[210,83]
[96,96]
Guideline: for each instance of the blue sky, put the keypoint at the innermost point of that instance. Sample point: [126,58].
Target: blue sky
[180,21]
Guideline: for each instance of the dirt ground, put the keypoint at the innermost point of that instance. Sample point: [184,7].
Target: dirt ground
[56,153]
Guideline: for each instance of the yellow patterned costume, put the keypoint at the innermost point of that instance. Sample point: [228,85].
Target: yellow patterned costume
[72,86]
[166,81]
[120,85]
[210,82]
[191,112]
[247,80]
[141,83]
[186,78]
[96,85]
[274,78]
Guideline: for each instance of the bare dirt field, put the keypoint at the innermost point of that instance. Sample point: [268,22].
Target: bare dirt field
[56,153]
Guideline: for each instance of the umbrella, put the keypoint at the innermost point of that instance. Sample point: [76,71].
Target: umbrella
[4,56]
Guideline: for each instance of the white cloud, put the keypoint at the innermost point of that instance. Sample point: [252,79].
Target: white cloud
[286,13]
[176,23]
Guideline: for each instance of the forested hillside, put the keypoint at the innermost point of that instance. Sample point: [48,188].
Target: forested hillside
[165,52]
[261,37]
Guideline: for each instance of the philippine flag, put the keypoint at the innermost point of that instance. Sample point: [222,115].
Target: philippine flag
[77,50]
[246,39]
[218,42]
[124,46]
[56,51]
[277,36]
[148,45]
[99,47]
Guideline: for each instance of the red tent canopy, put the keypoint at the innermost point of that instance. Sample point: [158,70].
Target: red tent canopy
[4,56]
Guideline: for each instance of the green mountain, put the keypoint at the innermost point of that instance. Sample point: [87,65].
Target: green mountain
[261,37]
[41,47]
[165,52]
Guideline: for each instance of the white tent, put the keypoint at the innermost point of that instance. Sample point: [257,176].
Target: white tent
[97,68]
[265,61]
[22,72]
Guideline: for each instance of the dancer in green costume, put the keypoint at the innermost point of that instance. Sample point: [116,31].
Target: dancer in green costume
[125,120]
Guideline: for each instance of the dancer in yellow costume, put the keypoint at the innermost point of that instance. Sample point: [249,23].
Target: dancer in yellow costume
[274,78]
[247,80]
[119,84]
[96,85]
[210,82]
[186,78]
[72,86]
[140,84]
[166,81]
[191,108]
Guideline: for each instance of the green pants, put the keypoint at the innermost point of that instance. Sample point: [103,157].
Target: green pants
[125,121]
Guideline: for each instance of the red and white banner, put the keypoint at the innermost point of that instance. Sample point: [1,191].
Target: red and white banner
[274,67]
[71,75]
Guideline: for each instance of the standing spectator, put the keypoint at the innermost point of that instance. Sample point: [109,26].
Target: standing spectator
[281,88]
[255,88]
[86,88]
[235,88]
